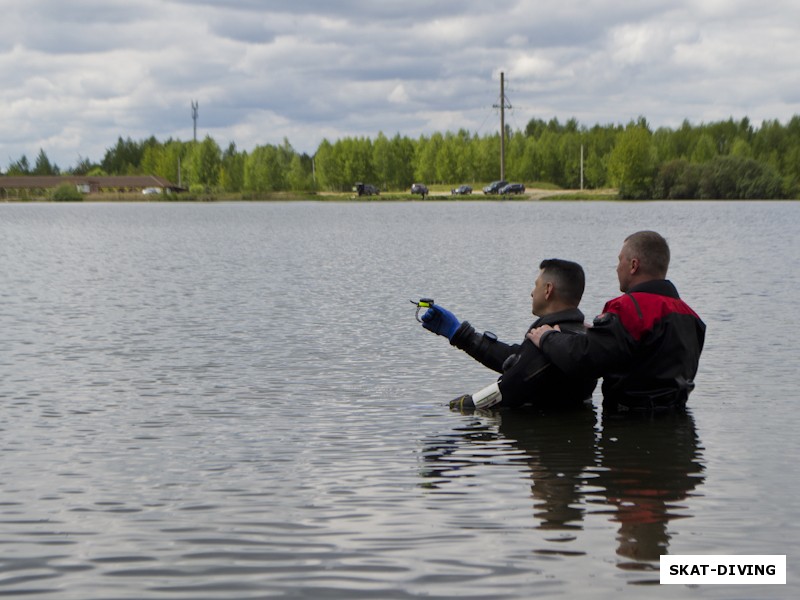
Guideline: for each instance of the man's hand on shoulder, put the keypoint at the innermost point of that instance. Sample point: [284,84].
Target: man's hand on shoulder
[537,333]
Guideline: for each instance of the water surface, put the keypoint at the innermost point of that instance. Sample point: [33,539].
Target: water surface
[235,401]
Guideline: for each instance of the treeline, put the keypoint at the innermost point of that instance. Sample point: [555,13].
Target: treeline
[726,159]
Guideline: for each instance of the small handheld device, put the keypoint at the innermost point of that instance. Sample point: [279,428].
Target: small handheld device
[421,303]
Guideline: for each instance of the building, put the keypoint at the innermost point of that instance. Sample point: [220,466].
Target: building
[33,185]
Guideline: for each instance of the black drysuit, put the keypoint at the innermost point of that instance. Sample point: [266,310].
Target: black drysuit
[528,377]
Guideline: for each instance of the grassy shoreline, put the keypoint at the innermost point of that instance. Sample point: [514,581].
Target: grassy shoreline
[530,195]
[534,194]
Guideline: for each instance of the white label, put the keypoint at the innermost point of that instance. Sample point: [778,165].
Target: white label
[699,569]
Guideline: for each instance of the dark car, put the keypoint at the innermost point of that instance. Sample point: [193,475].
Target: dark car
[365,189]
[495,187]
[419,188]
[462,190]
[512,188]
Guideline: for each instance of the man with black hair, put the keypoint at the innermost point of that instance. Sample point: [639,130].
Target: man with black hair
[527,376]
[646,344]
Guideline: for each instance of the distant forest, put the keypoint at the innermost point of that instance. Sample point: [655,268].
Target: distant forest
[722,160]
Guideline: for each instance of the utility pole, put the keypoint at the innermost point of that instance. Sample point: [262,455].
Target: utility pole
[195,106]
[502,106]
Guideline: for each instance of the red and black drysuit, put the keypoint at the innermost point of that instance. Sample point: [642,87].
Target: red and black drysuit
[528,377]
[646,345]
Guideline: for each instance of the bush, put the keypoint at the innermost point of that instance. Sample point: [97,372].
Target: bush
[676,180]
[66,192]
[723,178]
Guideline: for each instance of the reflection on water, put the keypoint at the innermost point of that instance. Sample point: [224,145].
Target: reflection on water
[640,472]
[649,470]
[560,451]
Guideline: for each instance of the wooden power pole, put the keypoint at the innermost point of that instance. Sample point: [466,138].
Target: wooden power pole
[502,106]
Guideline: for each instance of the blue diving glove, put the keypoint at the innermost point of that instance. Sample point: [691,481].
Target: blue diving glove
[440,321]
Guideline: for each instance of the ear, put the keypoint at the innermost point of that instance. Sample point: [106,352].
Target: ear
[548,290]
[635,266]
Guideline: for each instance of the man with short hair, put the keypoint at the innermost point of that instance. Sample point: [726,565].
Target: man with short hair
[527,376]
[646,344]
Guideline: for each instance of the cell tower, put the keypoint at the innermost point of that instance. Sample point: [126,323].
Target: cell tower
[195,106]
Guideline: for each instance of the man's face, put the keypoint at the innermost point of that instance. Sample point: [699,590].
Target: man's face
[538,295]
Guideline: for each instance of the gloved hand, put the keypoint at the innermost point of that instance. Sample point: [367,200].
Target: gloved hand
[440,321]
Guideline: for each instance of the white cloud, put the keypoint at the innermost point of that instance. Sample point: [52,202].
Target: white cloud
[398,95]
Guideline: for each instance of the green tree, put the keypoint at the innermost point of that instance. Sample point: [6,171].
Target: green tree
[487,158]
[354,158]
[151,159]
[82,167]
[741,149]
[402,157]
[382,160]
[446,160]
[704,150]
[286,154]
[551,167]
[203,163]
[631,164]
[19,167]
[171,161]
[515,157]
[535,128]
[570,149]
[299,176]
[600,142]
[262,170]
[328,168]
[531,161]
[231,174]
[426,157]
[682,141]
[124,158]
[43,166]
[467,149]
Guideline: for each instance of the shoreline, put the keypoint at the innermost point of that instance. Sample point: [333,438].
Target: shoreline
[533,194]
[530,195]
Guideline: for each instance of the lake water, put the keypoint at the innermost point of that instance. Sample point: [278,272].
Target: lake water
[234,401]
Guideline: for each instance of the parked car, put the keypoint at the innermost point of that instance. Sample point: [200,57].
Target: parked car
[494,187]
[365,189]
[512,188]
[419,188]
[461,190]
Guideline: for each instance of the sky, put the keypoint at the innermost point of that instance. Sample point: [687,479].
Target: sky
[75,75]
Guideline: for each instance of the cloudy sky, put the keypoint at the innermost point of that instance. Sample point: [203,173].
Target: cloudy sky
[77,74]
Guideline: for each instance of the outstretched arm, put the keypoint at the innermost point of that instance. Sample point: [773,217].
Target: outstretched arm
[483,347]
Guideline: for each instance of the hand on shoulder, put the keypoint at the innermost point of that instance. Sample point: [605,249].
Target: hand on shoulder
[537,333]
